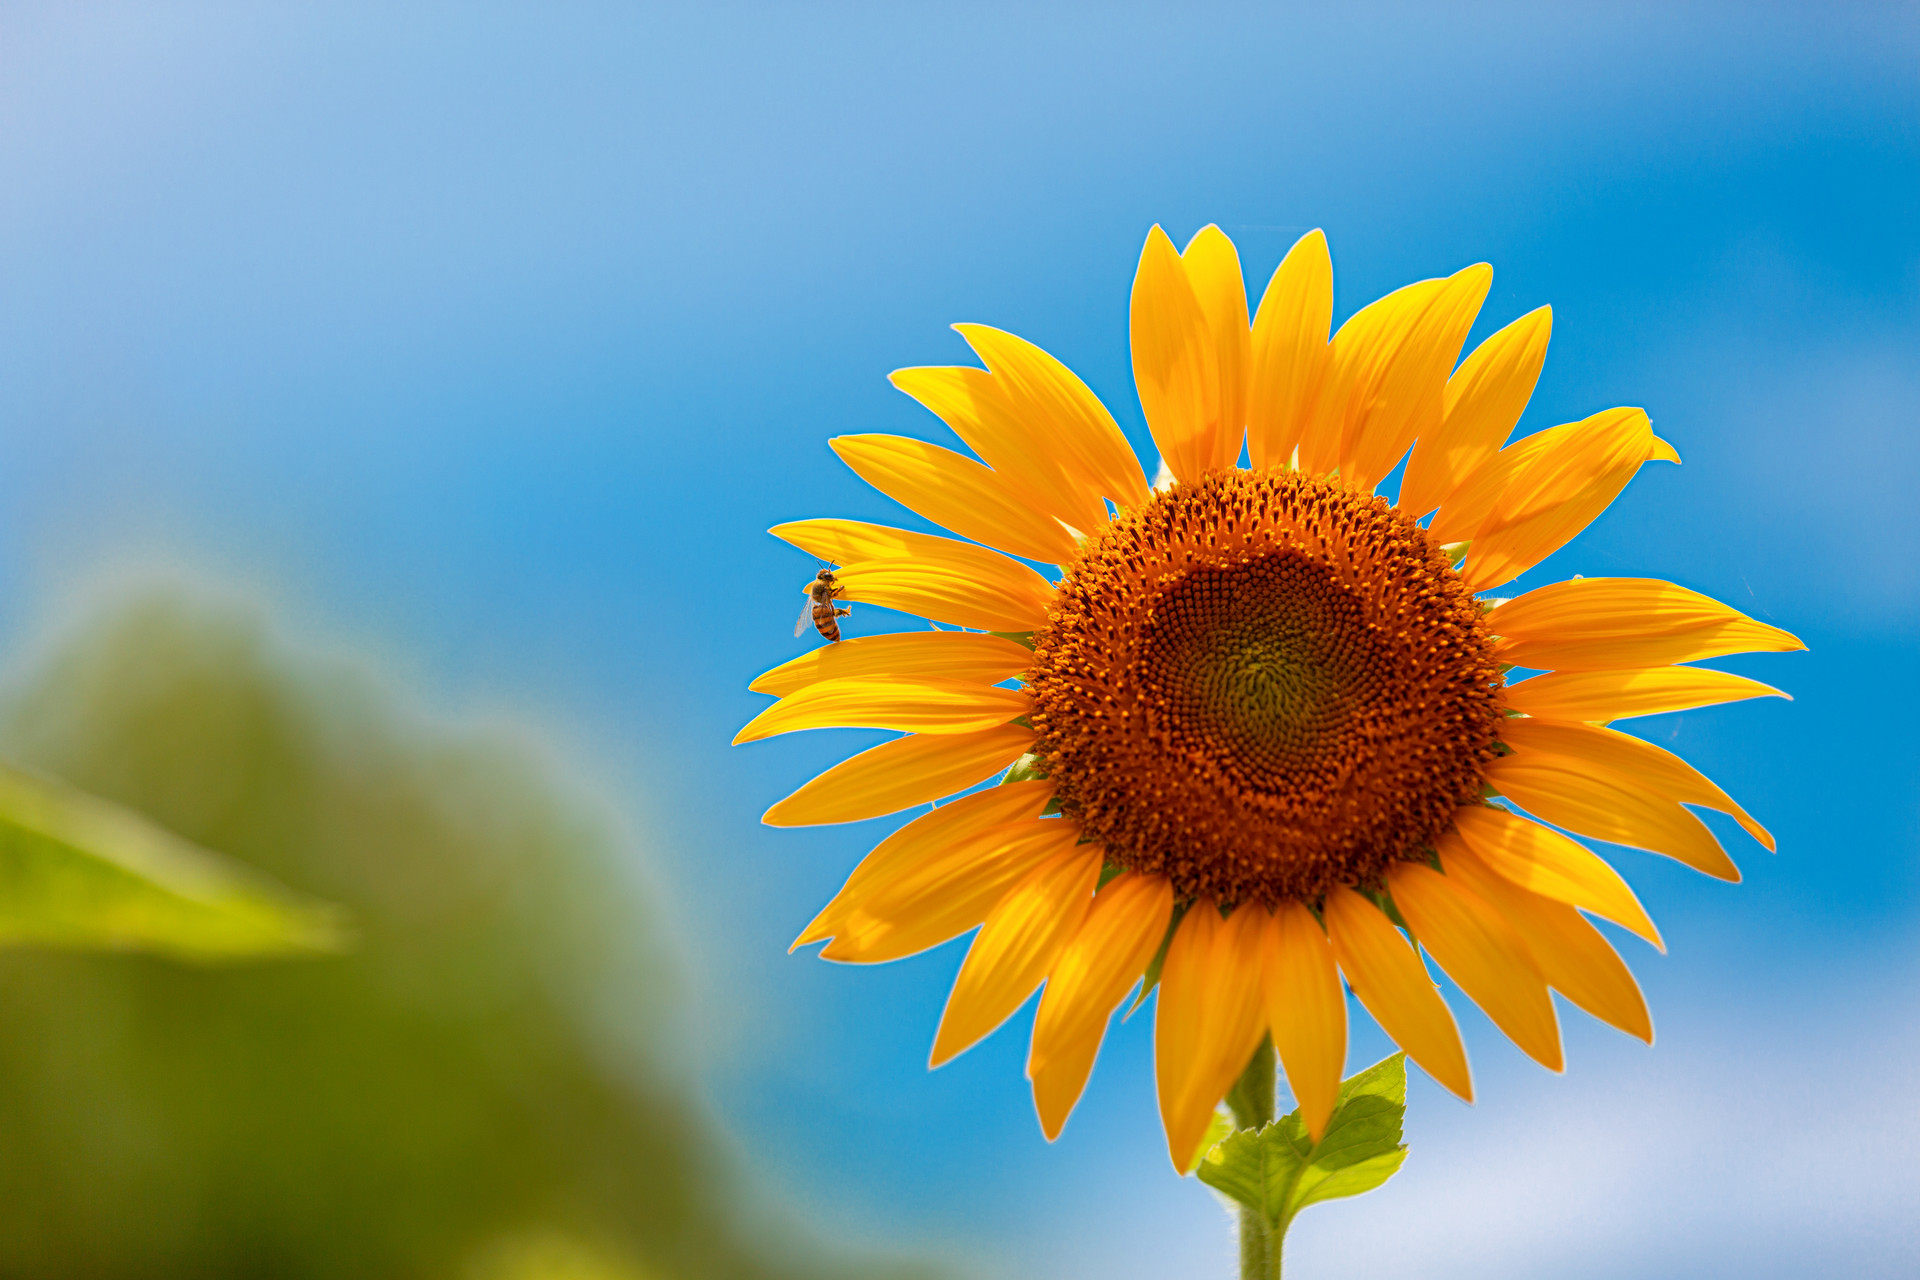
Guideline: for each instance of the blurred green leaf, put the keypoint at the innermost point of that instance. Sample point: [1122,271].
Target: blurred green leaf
[79,871]
[553,1256]
[1278,1170]
[493,1084]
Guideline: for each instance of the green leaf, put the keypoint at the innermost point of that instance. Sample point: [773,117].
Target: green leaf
[1022,638]
[1217,1130]
[1361,1148]
[78,871]
[1278,1170]
[1253,1166]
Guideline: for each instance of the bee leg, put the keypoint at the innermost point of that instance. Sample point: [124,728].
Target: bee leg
[843,613]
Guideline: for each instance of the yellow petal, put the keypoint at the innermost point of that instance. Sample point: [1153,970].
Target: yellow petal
[1480,951]
[953,490]
[1358,359]
[1482,405]
[1595,803]
[1549,492]
[1387,975]
[938,578]
[1022,937]
[1597,624]
[897,775]
[1209,1019]
[1289,351]
[947,826]
[945,592]
[928,705]
[945,894]
[951,655]
[1389,373]
[1113,948]
[977,406]
[1601,696]
[1545,862]
[1630,759]
[1213,269]
[1570,953]
[1529,475]
[1409,387]
[1176,365]
[1069,427]
[1306,1011]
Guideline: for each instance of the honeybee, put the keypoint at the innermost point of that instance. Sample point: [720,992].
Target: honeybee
[819,608]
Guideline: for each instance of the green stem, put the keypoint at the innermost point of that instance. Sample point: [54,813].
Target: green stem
[1251,1101]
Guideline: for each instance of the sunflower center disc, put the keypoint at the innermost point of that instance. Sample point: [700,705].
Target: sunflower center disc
[1264,685]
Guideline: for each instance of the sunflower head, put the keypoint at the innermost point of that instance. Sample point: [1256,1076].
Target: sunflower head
[1262,685]
[1264,730]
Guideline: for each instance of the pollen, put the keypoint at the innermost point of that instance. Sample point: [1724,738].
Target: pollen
[1263,685]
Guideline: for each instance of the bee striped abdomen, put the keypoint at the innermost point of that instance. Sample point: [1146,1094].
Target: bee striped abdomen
[822,593]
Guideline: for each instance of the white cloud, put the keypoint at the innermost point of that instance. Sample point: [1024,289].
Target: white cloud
[1785,1145]
[1780,1139]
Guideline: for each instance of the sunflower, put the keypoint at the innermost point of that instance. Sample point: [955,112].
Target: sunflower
[1257,733]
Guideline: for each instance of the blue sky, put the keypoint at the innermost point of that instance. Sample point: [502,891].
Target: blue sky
[491,342]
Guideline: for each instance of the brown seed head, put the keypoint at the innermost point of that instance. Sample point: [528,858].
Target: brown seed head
[1263,685]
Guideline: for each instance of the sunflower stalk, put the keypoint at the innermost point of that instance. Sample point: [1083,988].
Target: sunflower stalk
[1251,1100]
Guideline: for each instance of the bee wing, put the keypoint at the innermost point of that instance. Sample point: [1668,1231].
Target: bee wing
[806,617]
